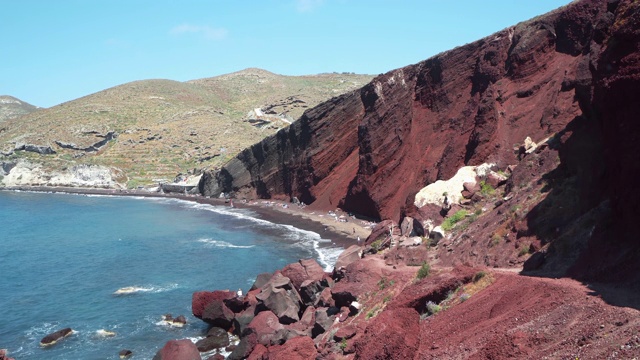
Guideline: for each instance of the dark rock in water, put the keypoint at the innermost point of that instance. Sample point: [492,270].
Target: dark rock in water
[125,353]
[180,321]
[178,350]
[53,338]
[217,338]
[216,357]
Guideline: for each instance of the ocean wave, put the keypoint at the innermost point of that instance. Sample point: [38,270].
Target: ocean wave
[304,239]
[223,244]
[128,290]
[102,333]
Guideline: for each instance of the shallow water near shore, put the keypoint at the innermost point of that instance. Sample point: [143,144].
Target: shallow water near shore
[65,256]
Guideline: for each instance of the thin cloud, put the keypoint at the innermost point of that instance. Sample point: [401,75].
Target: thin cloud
[308,5]
[205,31]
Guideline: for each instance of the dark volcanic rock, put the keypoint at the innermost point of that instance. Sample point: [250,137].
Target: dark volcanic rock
[53,338]
[211,307]
[124,353]
[178,350]
[280,296]
[246,345]
[216,338]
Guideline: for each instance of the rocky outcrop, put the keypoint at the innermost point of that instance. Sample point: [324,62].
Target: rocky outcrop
[25,173]
[178,350]
[38,149]
[97,146]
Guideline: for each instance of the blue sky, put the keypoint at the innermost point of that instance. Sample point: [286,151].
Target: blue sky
[59,50]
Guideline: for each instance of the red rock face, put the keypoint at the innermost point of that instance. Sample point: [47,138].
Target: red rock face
[394,334]
[572,73]
[371,150]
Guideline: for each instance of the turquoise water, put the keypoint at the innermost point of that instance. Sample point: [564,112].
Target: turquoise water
[62,257]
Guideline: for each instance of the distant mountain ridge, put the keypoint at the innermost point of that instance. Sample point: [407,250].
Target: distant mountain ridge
[158,128]
[11,107]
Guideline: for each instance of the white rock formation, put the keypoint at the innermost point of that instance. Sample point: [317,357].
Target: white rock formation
[26,173]
[433,193]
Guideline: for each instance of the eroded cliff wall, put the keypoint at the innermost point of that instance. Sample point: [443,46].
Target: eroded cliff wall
[371,150]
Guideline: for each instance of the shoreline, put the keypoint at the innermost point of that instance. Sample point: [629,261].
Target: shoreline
[342,230]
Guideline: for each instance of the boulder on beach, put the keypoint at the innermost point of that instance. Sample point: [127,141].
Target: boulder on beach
[53,338]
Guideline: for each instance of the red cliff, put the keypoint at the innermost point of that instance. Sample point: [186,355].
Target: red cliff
[571,75]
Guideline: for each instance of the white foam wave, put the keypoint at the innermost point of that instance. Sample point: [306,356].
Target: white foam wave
[223,244]
[102,333]
[304,239]
[127,290]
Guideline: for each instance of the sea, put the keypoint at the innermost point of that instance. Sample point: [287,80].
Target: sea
[63,258]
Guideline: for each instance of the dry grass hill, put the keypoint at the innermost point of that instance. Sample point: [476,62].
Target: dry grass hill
[164,127]
[11,108]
